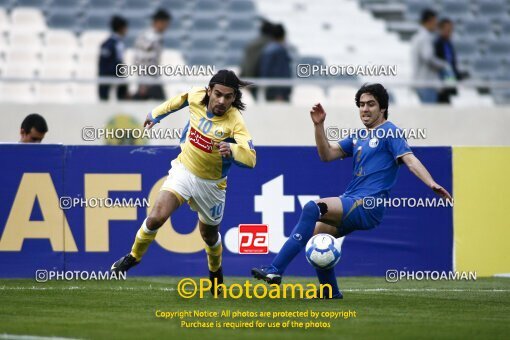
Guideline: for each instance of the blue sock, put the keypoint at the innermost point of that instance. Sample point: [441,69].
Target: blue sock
[300,235]
[327,276]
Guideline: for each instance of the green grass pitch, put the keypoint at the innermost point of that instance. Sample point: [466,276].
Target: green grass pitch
[126,310]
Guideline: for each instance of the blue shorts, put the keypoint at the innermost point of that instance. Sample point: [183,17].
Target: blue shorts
[359,214]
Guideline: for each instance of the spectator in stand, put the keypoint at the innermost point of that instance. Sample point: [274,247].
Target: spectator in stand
[275,62]
[148,48]
[33,129]
[111,55]
[445,50]
[426,66]
[253,51]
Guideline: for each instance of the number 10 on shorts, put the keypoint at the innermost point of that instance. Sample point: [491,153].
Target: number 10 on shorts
[253,239]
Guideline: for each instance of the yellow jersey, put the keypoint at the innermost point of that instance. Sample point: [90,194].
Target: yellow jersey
[203,133]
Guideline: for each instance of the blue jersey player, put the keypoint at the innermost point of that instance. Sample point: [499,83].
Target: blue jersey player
[377,154]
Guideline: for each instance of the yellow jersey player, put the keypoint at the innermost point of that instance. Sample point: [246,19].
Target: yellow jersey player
[216,137]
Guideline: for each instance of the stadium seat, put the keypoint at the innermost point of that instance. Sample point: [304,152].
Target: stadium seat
[456,10]
[341,95]
[93,39]
[242,28]
[17,92]
[20,39]
[101,6]
[493,10]
[415,7]
[137,7]
[242,8]
[21,56]
[98,21]
[206,26]
[478,28]
[172,57]
[202,45]
[209,8]
[63,21]
[84,93]
[32,3]
[66,6]
[505,28]
[235,43]
[5,23]
[60,39]
[303,95]
[499,48]
[202,59]
[138,22]
[62,57]
[28,19]
[178,8]
[486,68]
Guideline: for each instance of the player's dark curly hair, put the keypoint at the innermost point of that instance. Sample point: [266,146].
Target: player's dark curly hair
[379,93]
[229,79]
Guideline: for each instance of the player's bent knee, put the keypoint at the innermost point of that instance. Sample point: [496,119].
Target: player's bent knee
[310,209]
[154,222]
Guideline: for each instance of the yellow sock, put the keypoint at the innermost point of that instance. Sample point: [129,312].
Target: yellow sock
[214,255]
[143,239]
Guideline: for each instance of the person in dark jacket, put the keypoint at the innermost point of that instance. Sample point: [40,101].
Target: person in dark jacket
[111,55]
[444,49]
[275,62]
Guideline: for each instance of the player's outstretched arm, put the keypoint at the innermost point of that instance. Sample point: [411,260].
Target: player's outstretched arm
[161,111]
[419,170]
[327,151]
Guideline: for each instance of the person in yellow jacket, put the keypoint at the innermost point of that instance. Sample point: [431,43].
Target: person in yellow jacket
[216,138]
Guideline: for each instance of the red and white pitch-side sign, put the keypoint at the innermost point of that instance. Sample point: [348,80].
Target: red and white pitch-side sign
[253,239]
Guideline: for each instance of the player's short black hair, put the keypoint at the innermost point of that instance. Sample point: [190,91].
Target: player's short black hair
[161,14]
[427,14]
[379,92]
[34,120]
[266,28]
[117,23]
[228,78]
[445,21]
[278,31]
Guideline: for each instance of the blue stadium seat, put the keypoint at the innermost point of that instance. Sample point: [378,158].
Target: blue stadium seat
[206,26]
[456,10]
[203,59]
[101,6]
[31,3]
[138,22]
[233,58]
[415,7]
[63,21]
[236,44]
[241,9]
[486,68]
[478,29]
[7,4]
[203,44]
[505,28]
[173,40]
[242,25]
[499,48]
[178,8]
[493,10]
[98,21]
[66,6]
[137,7]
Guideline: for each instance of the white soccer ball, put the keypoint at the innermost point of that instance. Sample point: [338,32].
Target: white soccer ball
[323,251]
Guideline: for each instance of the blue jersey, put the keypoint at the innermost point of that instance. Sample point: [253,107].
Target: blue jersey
[375,154]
